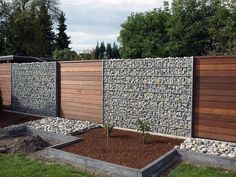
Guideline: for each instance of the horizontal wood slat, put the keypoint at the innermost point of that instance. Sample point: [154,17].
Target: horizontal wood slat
[81,105]
[72,82]
[87,69]
[215,105]
[215,92]
[213,123]
[214,117]
[81,74]
[83,109]
[216,80]
[93,98]
[215,73]
[219,67]
[80,100]
[5,84]
[215,61]
[83,87]
[81,90]
[78,117]
[212,98]
[227,112]
[215,98]
[80,65]
[82,78]
[214,136]
[214,86]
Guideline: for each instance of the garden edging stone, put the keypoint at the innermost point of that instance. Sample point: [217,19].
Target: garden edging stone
[153,169]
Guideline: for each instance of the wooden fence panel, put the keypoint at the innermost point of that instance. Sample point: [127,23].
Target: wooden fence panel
[81,90]
[5,84]
[215,98]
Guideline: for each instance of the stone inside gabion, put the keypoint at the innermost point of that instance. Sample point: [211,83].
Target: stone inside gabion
[34,88]
[158,91]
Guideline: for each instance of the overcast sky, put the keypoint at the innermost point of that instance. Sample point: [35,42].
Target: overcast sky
[89,21]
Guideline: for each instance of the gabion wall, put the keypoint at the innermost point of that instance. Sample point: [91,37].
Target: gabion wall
[34,88]
[158,91]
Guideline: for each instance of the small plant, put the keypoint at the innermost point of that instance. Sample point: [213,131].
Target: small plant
[143,127]
[108,128]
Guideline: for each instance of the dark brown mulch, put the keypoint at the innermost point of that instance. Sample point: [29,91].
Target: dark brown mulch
[125,147]
[8,118]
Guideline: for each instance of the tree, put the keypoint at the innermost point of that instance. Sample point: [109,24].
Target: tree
[109,51]
[102,50]
[145,35]
[188,28]
[47,36]
[115,51]
[62,40]
[97,52]
[221,28]
[26,27]
[65,54]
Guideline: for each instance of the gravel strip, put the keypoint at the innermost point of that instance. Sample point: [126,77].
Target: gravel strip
[58,125]
[219,148]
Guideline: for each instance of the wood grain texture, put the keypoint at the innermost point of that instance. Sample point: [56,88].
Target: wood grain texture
[80,90]
[215,98]
[5,84]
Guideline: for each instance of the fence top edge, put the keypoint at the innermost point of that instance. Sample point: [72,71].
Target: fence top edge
[80,61]
[214,57]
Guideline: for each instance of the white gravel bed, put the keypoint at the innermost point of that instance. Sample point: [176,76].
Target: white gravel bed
[59,125]
[219,148]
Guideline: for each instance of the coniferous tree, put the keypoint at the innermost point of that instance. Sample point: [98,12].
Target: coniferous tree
[62,40]
[26,28]
[102,50]
[115,51]
[97,52]
[47,35]
[109,51]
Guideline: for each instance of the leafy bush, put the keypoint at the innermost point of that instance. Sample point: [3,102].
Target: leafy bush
[65,54]
[143,127]
[108,127]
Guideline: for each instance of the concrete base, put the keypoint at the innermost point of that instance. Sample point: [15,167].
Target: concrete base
[16,131]
[153,169]
[208,160]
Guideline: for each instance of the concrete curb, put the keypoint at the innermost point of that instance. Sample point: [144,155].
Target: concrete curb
[14,131]
[58,139]
[208,160]
[153,169]
[54,137]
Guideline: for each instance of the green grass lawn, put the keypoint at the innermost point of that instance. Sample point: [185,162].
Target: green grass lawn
[12,165]
[189,170]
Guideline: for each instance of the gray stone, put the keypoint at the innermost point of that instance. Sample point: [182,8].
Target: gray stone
[157,91]
[34,88]
[217,148]
[3,149]
[58,125]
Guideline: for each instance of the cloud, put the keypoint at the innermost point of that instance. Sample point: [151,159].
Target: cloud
[90,21]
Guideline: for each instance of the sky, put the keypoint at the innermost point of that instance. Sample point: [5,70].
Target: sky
[89,21]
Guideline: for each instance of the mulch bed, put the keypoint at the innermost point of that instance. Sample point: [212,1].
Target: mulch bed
[125,148]
[8,118]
